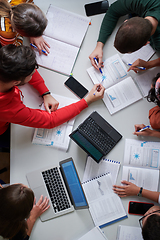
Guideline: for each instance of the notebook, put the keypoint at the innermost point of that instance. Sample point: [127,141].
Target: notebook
[64,33]
[61,184]
[96,136]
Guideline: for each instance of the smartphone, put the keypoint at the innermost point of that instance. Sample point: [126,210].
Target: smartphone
[76,87]
[96,8]
[139,208]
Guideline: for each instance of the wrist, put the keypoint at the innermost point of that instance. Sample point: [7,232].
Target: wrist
[44,94]
[100,45]
[140,192]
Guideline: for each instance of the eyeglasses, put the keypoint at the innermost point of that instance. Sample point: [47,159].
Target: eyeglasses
[141,219]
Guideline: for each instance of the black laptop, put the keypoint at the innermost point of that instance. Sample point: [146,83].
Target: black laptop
[96,136]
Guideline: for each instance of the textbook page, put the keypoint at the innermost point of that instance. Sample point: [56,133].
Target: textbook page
[61,57]
[142,177]
[104,205]
[114,71]
[142,154]
[144,53]
[57,137]
[66,26]
[94,234]
[121,95]
[94,169]
[144,80]
[129,233]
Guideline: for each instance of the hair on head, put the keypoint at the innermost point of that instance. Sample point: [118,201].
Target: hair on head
[133,34]
[16,63]
[151,94]
[151,228]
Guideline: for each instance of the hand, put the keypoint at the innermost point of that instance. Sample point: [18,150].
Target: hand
[138,63]
[97,53]
[147,132]
[96,93]
[50,103]
[40,43]
[38,208]
[129,189]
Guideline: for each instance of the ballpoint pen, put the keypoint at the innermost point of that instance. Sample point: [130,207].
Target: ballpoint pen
[95,59]
[146,127]
[37,48]
[142,68]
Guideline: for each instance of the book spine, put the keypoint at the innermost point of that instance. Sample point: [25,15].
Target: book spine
[96,177]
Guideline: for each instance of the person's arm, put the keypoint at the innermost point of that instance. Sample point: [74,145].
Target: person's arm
[147,132]
[130,189]
[146,65]
[116,10]
[40,43]
[38,208]
[41,119]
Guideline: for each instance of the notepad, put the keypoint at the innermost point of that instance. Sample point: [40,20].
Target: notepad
[144,80]
[129,233]
[144,53]
[121,91]
[57,137]
[104,205]
[64,33]
[94,169]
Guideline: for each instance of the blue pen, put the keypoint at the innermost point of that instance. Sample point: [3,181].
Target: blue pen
[146,127]
[37,48]
[142,68]
[95,59]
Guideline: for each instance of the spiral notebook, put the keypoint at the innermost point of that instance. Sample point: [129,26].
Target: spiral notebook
[104,205]
[93,169]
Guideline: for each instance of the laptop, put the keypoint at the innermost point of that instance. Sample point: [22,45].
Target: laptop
[61,184]
[96,136]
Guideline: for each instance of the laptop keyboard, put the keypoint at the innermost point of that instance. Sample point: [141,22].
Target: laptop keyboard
[56,189]
[91,129]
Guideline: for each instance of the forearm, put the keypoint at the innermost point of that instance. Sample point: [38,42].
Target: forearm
[153,63]
[150,195]
[30,223]
[38,83]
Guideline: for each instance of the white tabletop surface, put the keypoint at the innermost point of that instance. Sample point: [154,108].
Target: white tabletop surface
[26,157]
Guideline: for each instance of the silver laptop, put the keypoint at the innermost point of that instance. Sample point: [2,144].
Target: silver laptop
[61,184]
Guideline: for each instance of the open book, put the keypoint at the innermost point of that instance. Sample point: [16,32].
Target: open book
[94,234]
[64,33]
[104,205]
[121,91]
[144,53]
[142,163]
[57,137]
[129,233]
[94,169]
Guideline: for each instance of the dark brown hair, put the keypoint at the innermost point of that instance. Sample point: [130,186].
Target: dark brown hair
[16,202]
[132,35]
[151,228]
[151,94]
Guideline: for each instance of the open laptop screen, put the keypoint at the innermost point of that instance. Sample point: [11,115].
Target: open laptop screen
[73,184]
[86,145]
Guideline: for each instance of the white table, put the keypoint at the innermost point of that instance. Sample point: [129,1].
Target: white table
[26,157]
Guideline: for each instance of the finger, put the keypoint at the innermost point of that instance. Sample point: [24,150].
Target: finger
[118,187]
[125,182]
[47,109]
[100,62]
[93,63]
[40,200]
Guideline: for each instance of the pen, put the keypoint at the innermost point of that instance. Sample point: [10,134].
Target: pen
[146,127]
[142,68]
[37,48]
[95,59]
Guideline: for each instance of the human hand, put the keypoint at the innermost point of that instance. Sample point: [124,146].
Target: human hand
[98,54]
[50,103]
[40,43]
[146,132]
[138,63]
[129,189]
[96,93]
[38,208]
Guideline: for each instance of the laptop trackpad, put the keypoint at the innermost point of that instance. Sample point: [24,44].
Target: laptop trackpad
[42,191]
